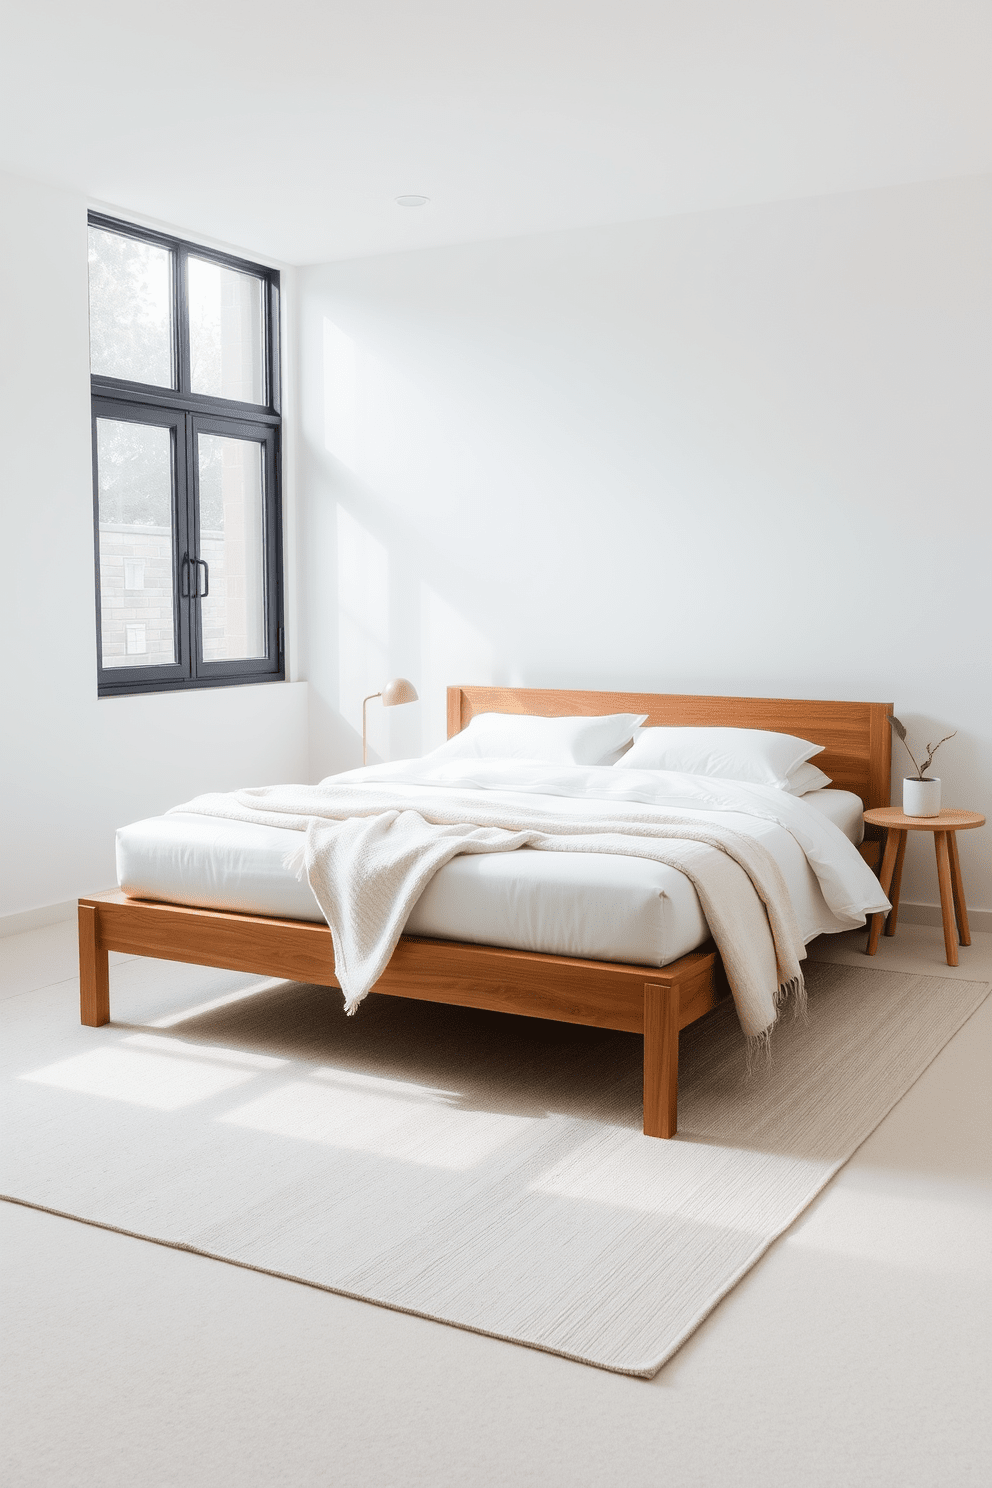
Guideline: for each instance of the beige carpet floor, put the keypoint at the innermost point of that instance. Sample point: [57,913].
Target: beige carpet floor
[485,1171]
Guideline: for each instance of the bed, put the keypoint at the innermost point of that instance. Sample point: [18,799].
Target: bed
[651,999]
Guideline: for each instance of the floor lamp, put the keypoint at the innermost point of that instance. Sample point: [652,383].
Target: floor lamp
[399,690]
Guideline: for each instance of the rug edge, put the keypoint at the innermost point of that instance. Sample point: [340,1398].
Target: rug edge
[645,1371]
[766,1246]
[640,1372]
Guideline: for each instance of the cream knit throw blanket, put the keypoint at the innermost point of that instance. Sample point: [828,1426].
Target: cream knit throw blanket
[368,858]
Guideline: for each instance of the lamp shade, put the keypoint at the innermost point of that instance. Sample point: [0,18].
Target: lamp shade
[399,690]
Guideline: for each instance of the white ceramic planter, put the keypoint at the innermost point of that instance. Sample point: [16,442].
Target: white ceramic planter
[921,797]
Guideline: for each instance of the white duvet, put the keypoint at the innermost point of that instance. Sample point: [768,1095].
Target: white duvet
[374,838]
[848,885]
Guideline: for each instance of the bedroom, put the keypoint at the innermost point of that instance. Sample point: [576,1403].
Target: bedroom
[715,425]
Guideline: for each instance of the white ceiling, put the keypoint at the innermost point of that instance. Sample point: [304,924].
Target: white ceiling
[289,129]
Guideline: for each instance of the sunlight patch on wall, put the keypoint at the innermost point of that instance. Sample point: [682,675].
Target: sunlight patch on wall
[363,620]
[340,395]
[453,652]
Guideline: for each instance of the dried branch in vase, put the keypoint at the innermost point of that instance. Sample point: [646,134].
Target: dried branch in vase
[899,729]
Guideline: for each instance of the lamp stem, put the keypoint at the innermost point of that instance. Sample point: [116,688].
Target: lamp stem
[365,747]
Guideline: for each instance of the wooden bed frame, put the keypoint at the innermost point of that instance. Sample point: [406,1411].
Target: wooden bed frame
[655,1002]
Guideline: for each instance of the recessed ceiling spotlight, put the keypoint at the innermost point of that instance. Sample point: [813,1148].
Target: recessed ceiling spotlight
[412,201]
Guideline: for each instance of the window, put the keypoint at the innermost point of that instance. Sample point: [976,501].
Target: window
[184,362]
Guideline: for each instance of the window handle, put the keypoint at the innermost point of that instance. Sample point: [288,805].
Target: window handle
[202,563]
[184,582]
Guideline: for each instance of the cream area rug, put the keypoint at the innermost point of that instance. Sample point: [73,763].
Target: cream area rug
[473,1168]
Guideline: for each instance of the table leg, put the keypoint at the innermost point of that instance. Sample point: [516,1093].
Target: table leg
[946,897]
[893,893]
[960,908]
[892,841]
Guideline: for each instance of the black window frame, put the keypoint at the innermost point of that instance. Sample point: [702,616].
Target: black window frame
[190,414]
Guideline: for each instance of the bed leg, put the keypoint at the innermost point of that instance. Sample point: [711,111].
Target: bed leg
[661,1059]
[94,971]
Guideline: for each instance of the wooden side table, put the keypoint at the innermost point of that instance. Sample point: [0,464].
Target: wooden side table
[952,906]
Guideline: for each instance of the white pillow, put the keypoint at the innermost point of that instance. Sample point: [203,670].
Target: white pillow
[553,741]
[806,778]
[616,755]
[754,755]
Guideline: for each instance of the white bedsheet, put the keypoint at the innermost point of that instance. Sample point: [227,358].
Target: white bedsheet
[597,906]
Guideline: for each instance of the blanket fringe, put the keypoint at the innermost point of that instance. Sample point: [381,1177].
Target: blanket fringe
[757,1052]
[796,989]
[296,861]
[758,1046]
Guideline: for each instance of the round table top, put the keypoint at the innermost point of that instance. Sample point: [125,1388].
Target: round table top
[949,820]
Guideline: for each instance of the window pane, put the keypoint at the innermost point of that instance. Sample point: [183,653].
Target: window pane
[226,346]
[134,482]
[130,309]
[232,541]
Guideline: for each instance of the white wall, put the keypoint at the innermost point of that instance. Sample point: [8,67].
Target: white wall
[746,451]
[74,767]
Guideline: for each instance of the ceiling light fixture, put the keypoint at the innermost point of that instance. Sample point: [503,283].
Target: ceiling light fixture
[412,201]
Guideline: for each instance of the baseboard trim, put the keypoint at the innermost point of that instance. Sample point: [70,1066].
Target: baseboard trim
[929,914]
[36,919]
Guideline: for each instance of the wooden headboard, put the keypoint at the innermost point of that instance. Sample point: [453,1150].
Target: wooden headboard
[856,737]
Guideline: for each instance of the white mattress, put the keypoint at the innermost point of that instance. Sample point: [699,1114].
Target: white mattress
[598,906]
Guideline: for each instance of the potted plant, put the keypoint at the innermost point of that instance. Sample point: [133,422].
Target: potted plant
[920,792]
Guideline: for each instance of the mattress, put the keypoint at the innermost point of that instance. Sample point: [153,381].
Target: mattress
[596,906]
